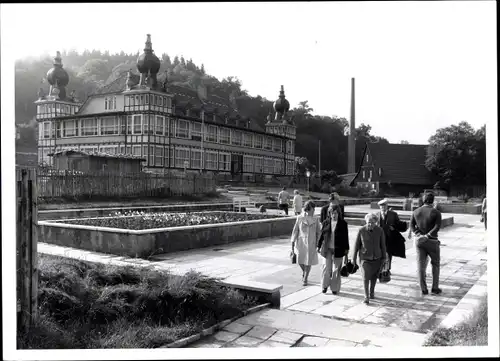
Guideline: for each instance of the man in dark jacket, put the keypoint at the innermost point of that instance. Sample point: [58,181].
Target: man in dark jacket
[392,225]
[425,223]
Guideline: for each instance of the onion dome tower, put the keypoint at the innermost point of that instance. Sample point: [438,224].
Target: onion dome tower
[58,78]
[148,65]
[281,106]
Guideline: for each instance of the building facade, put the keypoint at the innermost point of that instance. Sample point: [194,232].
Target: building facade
[173,128]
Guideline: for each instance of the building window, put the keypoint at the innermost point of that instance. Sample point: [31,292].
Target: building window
[159,125]
[69,128]
[247,164]
[210,160]
[195,158]
[278,166]
[108,149]
[364,175]
[182,129]
[151,98]
[290,167]
[166,153]
[109,125]
[146,129]
[236,137]
[289,147]
[160,101]
[158,155]
[367,157]
[268,143]
[46,129]
[258,165]
[371,174]
[137,125]
[277,145]
[181,156]
[247,140]
[89,126]
[224,161]
[257,141]
[268,165]
[211,135]
[224,136]
[196,131]
[136,150]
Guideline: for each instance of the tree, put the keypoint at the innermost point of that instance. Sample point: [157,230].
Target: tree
[405,142]
[304,106]
[457,155]
[202,70]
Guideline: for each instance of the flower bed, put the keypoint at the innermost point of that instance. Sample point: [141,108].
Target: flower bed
[145,235]
[141,220]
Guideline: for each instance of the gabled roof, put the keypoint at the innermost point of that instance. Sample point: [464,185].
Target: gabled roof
[97,154]
[401,163]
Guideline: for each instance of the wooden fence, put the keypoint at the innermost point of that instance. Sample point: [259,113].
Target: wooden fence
[79,186]
[26,247]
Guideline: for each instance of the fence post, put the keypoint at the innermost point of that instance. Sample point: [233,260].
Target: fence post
[26,242]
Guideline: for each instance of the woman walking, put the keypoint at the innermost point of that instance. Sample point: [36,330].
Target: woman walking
[334,244]
[297,202]
[370,244]
[305,237]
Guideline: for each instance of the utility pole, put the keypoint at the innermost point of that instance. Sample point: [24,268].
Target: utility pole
[319,156]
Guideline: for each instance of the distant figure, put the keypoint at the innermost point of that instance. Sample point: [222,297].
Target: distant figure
[334,243]
[262,209]
[483,212]
[305,237]
[390,223]
[297,202]
[283,199]
[425,223]
[370,245]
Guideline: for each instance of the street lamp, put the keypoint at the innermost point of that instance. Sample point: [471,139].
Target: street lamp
[308,174]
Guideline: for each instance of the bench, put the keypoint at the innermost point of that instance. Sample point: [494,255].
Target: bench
[265,292]
[242,202]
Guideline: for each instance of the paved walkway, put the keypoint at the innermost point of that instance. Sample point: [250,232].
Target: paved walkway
[310,318]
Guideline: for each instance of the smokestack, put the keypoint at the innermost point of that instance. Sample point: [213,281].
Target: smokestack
[351,147]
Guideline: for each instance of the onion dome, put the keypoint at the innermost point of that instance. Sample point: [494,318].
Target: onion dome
[148,62]
[281,105]
[57,75]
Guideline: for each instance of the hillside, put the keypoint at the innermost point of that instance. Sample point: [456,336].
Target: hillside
[91,70]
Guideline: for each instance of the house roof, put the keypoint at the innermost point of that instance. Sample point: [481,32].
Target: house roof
[401,163]
[97,154]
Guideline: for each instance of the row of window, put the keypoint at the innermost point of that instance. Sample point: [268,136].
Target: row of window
[55,109]
[160,125]
[110,103]
[186,158]
[147,99]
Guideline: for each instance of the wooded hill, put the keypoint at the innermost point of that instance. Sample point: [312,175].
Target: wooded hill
[92,69]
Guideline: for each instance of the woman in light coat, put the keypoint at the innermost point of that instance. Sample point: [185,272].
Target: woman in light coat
[297,202]
[305,238]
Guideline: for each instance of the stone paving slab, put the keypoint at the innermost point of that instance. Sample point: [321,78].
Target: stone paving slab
[398,307]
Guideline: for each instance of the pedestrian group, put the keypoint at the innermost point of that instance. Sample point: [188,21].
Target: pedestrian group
[377,242]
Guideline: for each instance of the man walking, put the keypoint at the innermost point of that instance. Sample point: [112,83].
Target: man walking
[391,224]
[283,198]
[425,223]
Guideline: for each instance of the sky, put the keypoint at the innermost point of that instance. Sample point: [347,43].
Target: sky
[419,66]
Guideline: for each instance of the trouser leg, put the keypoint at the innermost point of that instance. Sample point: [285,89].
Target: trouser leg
[435,255]
[307,269]
[326,273]
[485,221]
[373,282]
[366,284]
[422,265]
[336,278]
[389,258]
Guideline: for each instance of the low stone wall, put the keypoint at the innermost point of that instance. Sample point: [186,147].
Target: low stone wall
[144,243]
[461,208]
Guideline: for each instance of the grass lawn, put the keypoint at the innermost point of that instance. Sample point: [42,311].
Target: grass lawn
[472,332]
[87,305]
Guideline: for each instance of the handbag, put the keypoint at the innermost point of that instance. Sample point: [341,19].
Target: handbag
[482,218]
[293,257]
[343,271]
[351,268]
[385,275]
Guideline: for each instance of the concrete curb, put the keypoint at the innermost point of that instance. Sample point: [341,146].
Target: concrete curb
[212,329]
[465,308]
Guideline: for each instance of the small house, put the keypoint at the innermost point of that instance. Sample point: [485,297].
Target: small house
[82,161]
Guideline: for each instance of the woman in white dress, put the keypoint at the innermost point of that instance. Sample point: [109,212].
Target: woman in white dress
[305,237]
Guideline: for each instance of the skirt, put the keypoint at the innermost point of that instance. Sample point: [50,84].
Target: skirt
[370,268]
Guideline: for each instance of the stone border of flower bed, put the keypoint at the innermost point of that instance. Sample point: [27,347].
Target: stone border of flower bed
[146,242]
[212,329]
